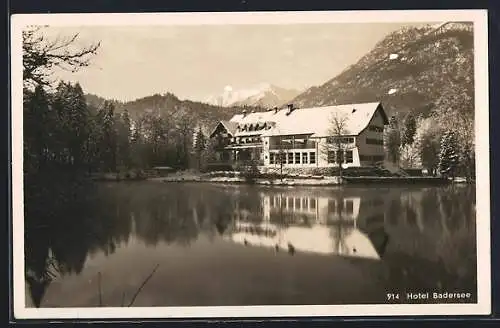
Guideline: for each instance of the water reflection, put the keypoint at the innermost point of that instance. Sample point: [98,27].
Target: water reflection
[418,236]
[299,222]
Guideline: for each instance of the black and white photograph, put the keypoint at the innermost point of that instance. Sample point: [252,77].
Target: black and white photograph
[251,164]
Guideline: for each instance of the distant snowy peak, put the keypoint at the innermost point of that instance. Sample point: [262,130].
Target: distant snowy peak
[264,94]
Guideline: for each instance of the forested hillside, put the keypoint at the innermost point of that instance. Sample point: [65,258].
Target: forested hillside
[424,77]
[169,105]
[412,69]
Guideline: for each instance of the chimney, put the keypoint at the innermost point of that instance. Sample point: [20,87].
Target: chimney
[290,109]
[275,110]
[244,112]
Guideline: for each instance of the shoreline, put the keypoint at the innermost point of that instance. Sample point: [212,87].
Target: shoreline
[327,181]
[290,180]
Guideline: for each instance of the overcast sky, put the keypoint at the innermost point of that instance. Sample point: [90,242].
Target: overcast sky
[194,62]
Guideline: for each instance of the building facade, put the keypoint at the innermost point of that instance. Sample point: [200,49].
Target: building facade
[305,137]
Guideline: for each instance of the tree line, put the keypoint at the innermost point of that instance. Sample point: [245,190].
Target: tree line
[440,143]
[63,133]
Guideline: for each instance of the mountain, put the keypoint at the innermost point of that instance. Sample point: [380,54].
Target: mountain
[168,105]
[418,69]
[264,95]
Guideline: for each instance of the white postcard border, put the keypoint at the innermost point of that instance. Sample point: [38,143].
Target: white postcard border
[479,17]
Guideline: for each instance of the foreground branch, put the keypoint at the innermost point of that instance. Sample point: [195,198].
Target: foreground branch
[142,285]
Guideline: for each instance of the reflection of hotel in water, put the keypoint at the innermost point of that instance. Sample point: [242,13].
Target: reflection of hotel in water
[320,210]
[312,224]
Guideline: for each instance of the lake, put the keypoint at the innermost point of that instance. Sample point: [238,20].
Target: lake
[214,244]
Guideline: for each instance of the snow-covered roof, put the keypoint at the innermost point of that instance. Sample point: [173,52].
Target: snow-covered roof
[228,125]
[255,117]
[314,121]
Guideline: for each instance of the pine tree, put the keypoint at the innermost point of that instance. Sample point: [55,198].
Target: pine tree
[123,139]
[38,123]
[448,157]
[199,140]
[199,146]
[429,152]
[108,141]
[78,124]
[409,130]
[136,144]
[392,140]
[94,151]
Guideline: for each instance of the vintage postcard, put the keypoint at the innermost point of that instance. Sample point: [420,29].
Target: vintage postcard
[257,164]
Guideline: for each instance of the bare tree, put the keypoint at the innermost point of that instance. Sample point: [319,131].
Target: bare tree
[336,132]
[41,55]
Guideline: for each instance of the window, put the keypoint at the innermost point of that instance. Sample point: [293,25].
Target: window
[348,156]
[340,157]
[296,205]
[312,157]
[304,158]
[375,128]
[276,158]
[290,158]
[271,201]
[271,158]
[349,206]
[371,141]
[312,203]
[297,158]
[332,206]
[331,157]
[304,203]
[378,158]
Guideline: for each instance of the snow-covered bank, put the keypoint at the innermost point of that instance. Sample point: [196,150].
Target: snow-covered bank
[326,181]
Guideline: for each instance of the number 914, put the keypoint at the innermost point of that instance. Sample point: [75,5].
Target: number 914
[392,296]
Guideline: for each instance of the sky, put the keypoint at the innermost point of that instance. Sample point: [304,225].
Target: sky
[196,61]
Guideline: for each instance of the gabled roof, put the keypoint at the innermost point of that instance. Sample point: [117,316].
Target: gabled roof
[228,125]
[316,121]
[255,117]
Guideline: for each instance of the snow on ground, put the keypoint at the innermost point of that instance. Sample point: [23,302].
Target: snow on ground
[276,182]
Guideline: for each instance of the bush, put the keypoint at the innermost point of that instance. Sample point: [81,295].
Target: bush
[249,171]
